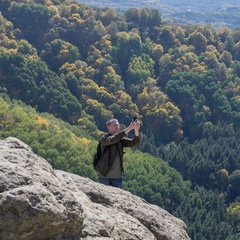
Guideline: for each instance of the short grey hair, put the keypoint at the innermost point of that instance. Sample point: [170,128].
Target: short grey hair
[110,121]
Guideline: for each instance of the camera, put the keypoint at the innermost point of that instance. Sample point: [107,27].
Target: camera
[134,118]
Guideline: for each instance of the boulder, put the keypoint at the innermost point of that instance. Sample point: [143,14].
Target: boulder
[39,203]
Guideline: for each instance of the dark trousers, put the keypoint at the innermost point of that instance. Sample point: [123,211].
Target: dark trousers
[114,182]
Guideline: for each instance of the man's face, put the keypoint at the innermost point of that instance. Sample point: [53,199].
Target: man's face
[114,127]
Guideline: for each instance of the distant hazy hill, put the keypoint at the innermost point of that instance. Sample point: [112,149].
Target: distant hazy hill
[218,13]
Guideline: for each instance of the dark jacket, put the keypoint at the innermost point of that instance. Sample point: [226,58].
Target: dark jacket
[114,143]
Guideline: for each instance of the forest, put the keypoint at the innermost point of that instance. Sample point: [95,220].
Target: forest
[221,13]
[66,68]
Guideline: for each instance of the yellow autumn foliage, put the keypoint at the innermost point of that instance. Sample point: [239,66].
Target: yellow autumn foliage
[42,121]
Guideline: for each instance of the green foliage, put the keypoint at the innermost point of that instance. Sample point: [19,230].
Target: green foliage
[152,179]
[21,14]
[233,185]
[85,65]
[143,17]
[200,98]
[166,38]
[62,145]
[200,162]
[59,52]
[72,38]
[205,212]
[31,81]
[139,69]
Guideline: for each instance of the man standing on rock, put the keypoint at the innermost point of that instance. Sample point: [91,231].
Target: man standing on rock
[110,168]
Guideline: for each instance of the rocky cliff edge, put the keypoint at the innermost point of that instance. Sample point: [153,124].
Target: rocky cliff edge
[39,203]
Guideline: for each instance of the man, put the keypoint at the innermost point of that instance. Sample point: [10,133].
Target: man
[115,141]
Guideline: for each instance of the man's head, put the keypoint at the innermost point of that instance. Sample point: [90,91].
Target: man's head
[113,126]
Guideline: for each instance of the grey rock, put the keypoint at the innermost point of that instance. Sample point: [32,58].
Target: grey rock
[39,203]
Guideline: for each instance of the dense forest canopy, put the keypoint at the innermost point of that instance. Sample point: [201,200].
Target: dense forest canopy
[66,68]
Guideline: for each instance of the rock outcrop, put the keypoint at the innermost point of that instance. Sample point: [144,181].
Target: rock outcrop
[39,203]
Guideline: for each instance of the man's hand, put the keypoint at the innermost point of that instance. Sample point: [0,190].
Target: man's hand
[136,126]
